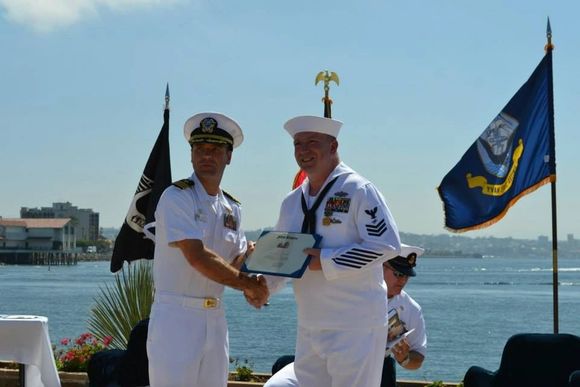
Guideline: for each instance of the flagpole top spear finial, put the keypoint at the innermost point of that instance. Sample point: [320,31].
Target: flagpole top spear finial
[167,96]
[549,46]
[327,77]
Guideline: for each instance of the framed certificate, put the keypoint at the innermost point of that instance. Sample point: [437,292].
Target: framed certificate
[281,253]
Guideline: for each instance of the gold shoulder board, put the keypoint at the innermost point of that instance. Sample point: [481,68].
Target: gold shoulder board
[183,183]
[231,197]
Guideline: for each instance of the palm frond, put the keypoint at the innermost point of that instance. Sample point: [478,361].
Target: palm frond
[119,307]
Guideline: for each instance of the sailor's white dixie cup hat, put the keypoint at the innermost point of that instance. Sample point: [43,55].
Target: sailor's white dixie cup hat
[312,124]
[214,128]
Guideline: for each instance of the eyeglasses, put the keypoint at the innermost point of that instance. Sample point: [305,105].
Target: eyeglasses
[395,273]
[399,275]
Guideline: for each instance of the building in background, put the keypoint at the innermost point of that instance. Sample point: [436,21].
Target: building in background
[37,234]
[37,241]
[84,220]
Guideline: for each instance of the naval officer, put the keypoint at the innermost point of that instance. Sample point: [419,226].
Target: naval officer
[341,303]
[199,248]
[406,312]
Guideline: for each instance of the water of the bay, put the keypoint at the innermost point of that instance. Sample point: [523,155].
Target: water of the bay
[471,307]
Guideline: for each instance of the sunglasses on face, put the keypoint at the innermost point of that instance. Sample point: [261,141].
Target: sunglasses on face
[395,273]
[399,275]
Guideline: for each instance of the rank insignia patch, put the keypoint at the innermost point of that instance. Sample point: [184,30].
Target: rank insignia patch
[372,213]
[376,229]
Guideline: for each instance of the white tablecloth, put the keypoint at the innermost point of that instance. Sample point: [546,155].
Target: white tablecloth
[25,339]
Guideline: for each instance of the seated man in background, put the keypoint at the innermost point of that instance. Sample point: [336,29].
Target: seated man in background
[405,315]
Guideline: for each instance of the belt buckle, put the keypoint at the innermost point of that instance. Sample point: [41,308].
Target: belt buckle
[210,303]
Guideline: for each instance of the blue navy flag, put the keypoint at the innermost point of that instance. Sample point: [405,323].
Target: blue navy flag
[514,156]
[131,243]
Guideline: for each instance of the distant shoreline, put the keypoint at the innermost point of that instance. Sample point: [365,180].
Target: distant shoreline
[451,254]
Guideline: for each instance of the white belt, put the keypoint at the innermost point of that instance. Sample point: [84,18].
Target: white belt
[190,302]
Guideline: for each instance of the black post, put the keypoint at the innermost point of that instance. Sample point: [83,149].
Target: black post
[549,48]
[554,257]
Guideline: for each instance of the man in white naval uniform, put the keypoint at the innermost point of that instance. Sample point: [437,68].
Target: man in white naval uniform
[199,246]
[409,352]
[341,303]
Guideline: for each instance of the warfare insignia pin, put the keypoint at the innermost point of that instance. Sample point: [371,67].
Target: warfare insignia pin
[208,125]
[340,194]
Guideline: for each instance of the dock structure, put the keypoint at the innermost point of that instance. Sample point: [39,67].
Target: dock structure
[38,241]
[38,257]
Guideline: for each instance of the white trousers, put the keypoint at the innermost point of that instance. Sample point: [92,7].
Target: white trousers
[286,377]
[340,358]
[187,346]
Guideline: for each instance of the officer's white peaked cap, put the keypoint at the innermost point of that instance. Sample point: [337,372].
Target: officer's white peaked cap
[407,250]
[312,124]
[213,128]
[406,261]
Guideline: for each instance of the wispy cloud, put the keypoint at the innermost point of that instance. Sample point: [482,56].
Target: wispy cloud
[48,15]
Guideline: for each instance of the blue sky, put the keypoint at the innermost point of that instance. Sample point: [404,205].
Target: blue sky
[83,84]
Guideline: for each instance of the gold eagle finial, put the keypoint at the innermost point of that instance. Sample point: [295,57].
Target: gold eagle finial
[327,77]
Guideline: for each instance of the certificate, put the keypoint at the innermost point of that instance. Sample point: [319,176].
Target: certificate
[281,253]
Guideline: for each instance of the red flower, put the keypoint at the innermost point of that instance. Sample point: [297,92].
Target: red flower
[76,357]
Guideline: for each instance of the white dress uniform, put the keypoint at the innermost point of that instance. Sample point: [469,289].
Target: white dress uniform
[410,314]
[187,341]
[342,309]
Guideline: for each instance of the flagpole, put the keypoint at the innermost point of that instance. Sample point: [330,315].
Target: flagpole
[326,77]
[132,243]
[548,48]
[167,97]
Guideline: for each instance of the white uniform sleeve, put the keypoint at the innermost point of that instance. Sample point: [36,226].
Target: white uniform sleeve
[418,338]
[175,216]
[377,232]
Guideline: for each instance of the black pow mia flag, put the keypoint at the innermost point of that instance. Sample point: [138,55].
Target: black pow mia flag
[131,243]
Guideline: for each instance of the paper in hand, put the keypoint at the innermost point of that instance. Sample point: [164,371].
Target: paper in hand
[396,341]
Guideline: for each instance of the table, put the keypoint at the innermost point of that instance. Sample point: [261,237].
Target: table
[25,340]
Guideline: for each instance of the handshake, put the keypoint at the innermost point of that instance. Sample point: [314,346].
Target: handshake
[256,291]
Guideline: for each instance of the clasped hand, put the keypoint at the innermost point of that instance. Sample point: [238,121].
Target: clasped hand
[257,295]
[401,350]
